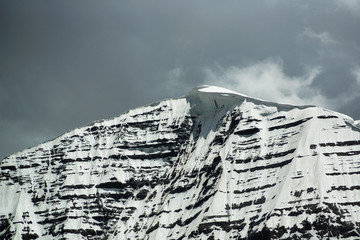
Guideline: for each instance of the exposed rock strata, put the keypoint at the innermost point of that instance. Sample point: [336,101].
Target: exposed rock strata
[210,165]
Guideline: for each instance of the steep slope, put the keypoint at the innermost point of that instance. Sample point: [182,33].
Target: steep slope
[213,164]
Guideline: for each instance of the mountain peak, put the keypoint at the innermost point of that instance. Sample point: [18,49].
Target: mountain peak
[206,99]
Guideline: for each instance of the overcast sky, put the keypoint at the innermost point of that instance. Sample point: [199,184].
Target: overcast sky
[64,64]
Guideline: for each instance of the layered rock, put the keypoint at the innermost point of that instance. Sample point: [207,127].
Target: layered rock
[213,164]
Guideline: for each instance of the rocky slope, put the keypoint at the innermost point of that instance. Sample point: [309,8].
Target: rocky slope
[213,164]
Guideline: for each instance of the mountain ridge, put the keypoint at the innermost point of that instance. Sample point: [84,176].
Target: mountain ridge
[195,90]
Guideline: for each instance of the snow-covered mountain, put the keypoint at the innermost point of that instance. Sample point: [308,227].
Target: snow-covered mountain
[213,164]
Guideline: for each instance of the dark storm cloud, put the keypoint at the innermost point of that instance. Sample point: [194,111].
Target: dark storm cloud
[64,64]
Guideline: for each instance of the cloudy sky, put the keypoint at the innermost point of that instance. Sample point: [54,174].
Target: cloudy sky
[64,64]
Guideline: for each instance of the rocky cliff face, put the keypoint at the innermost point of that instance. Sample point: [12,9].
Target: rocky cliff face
[211,165]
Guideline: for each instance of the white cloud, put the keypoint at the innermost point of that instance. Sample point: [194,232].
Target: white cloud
[323,37]
[267,80]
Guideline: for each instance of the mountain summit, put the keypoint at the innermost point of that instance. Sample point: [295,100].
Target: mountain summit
[213,164]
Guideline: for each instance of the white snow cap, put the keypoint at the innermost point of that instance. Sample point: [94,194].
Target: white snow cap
[215,89]
[223,92]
